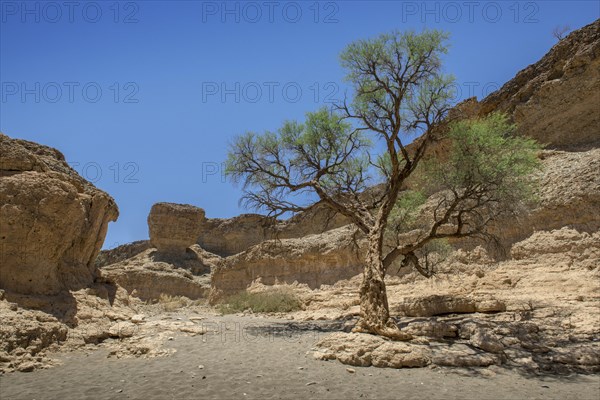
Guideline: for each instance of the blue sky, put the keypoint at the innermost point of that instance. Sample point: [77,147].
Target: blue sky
[143,97]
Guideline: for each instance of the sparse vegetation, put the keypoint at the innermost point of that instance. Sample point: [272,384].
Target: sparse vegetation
[271,300]
[559,32]
[173,303]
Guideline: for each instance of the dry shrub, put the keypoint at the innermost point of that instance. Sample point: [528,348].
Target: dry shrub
[270,300]
[173,303]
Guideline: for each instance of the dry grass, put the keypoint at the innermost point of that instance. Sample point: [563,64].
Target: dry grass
[173,303]
[271,300]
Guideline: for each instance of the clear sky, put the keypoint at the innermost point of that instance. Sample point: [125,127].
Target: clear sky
[143,97]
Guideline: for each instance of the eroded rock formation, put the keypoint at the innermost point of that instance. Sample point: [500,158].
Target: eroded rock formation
[53,221]
[230,236]
[556,100]
[146,277]
[566,194]
[174,227]
[314,260]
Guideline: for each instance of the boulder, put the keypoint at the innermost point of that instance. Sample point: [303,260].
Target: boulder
[486,341]
[430,305]
[53,221]
[174,227]
[364,350]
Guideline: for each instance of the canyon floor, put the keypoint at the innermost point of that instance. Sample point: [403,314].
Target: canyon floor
[269,358]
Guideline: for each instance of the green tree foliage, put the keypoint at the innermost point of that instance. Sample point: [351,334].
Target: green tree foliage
[399,92]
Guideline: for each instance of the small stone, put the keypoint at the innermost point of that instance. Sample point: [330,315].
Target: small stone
[26,367]
[200,366]
[311,383]
[138,318]
[171,338]
[351,370]
[120,391]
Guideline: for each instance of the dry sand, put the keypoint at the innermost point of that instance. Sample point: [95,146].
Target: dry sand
[247,357]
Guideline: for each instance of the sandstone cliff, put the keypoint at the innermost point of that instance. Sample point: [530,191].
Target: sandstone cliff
[53,221]
[148,275]
[234,235]
[314,260]
[556,100]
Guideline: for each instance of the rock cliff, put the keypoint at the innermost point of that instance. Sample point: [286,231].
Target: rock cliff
[556,100]
[53,221]
[315,260]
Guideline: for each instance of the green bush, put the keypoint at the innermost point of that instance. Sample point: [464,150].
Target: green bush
[272,300]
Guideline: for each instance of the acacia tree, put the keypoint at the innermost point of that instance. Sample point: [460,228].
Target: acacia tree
[399,93]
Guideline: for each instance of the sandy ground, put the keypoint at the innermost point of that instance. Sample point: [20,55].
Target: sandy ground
[246,357]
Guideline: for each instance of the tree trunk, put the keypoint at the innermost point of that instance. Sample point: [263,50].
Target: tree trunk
[374,310]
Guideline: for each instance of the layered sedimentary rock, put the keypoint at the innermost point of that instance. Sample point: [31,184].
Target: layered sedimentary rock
[147,279]
[566,194]
[53,221]
[174,227]
[556,100]
[537,311]
[121,253]
[234,235]
[567,191]
[314,260]
[152,274]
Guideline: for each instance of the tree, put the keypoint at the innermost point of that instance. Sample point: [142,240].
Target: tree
[559,31]
[399,92]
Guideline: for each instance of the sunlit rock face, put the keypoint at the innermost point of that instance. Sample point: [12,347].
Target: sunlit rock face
[53,222]
[174,227]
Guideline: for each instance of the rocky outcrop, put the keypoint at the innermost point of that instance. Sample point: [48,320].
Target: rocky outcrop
[566,194]
[25,335]
[34,325]
[121,253]
[364,350]
[53,221]
[146,277]
[427,306]
[556,100]
[230,236]
[174,227]
[314,260]
[564,243]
